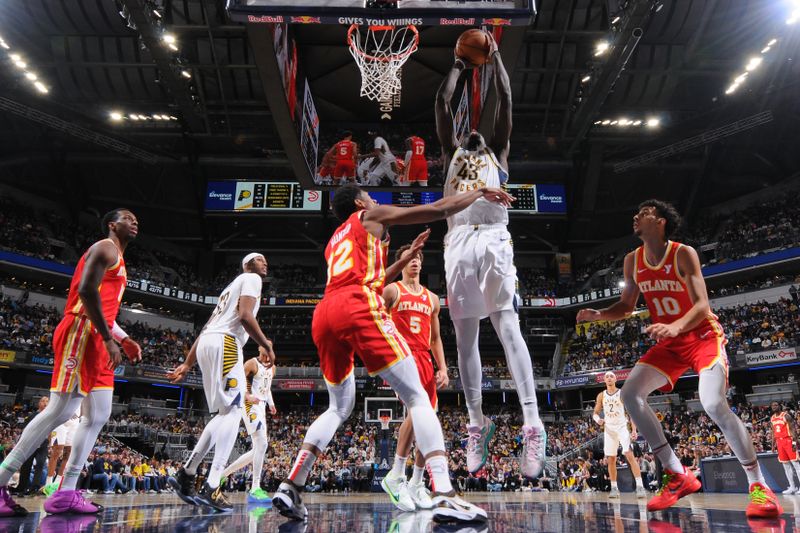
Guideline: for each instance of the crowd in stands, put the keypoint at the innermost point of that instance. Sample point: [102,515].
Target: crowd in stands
[748,327]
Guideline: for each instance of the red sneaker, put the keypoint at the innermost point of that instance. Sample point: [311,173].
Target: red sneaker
[674,486]
[763,502]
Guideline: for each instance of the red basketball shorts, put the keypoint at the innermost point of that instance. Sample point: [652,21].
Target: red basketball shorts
[699,349]
[425,367]
[81,358]
[417,170]
[353,320]
[344,169]
[325,171]
[786,451]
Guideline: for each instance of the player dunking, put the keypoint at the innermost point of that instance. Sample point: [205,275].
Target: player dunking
[344,154]
[688,335]
[356,257]
[218,350]
[86,354]
[784,439]
[615,425]
[258,374]
[415,170]
[415,312]
[480,272]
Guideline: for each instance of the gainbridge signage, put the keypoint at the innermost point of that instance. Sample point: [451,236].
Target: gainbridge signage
[260,197]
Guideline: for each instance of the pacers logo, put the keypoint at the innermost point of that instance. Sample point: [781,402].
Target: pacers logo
[244,195]
[231,383]
[252,417]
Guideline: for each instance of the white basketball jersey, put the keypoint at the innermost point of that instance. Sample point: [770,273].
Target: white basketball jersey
[262,382]
[613,410]
[469,171]
[225,318]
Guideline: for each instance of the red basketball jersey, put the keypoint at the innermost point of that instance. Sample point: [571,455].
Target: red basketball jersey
[345,150]
[417,148]
[355,257]
[779,427]
[411,314]
[111,289]
[662,286]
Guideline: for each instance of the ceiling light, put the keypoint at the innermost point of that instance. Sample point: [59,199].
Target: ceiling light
[624,122]
[753,63]
[40,87]
[740,78]
[21,64]
[134,117]
[613,122]
[596,122]
[115,115]
[157,117]
[732,88]
[765,50]
[586,78]
[4,44]
[601,47]
[606,122]
[186,74]
[15,57]
[653,122]
[772,42]
[637,123]
[172,47]
[31,76]
[621,284]
[173,118]
[168,38]
[616,19]
[156,13]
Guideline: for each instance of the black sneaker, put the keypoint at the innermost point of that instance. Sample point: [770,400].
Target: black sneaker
[288,502]
[213,498]
[183,484]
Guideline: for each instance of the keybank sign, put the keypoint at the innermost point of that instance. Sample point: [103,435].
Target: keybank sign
[551,198]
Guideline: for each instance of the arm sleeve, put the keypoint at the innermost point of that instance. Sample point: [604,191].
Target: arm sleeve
[251,285]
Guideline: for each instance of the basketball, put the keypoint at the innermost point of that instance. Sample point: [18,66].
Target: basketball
[474,46]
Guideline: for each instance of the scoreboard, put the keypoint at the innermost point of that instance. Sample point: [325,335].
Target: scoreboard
[261,196]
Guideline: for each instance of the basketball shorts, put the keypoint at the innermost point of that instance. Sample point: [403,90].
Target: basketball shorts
[699,349]
[254,416]
[425,367]
[344,169]
[480,272]
[786,451]
[353,320]
[613,437]
[417,170]
[63,434]
[220,360]
[81,358]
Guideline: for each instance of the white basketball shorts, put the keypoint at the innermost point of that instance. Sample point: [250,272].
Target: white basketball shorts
[613,437]
[480,272]
[220,360]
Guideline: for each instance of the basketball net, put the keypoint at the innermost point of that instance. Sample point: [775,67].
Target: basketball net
[380,52]
[385,422]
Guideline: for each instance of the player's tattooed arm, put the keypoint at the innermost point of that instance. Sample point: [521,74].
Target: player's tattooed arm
[622,308]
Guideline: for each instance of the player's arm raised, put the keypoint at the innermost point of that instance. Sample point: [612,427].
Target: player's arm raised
[396,268]
[689,267]
[501,136]
[389,215]
[444,115]
[101,256]
[622,308]
[390,295]
[437,348]
[598,406]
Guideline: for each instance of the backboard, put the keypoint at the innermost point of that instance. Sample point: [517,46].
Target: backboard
[376,406]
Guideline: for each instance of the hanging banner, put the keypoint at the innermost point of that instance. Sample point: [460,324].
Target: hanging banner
[564,266]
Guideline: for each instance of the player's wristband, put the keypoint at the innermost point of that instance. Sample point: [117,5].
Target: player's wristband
[117,333]
[459,64]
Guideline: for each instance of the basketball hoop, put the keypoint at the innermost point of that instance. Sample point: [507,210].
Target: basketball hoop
[380,52]
[385,422]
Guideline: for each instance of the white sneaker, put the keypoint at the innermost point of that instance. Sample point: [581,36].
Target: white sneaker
[454,509]
[420,496]
[640,492]
[790,490]
[478,445]
[397,489]
[614,493]
[533,450]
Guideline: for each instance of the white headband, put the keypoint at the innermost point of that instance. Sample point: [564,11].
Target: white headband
[249,257]
[609,373]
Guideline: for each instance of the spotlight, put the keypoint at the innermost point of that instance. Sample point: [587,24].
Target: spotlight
[601,48]
[156,13]
[186,74]
[168,38]
[772,42]
[173,118]
[740,78]
[606,122]
[586,78]
[615,20]
[4,44]
[624,122]
[732,88]
[765,49]
[653,122]
[31,76]
[637,123]
[15,57]
[613,122]
[40,87]
[172,47]
[753,63]
[134,117]
[21,64]
[596,122]
[115,116]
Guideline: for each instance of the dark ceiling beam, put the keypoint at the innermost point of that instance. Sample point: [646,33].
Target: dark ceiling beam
[606,74]
[203,161]
[560,56]
[134,64]
[211,15]
[170,78]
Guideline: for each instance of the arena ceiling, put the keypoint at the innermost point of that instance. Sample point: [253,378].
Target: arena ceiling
[93,61]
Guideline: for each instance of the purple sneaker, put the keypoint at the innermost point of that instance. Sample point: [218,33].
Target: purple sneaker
[8,507]
[68,523]
[70,501]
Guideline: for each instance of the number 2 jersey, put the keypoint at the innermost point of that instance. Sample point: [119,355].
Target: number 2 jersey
[355,257]
[664,289]
[469,171]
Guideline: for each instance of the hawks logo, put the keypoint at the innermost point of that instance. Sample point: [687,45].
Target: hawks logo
[388,327]
[71,363]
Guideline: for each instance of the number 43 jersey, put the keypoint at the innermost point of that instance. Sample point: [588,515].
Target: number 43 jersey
[225,318]
[469,171]
[355,257]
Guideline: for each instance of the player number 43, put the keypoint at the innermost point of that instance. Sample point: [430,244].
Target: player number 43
[666,306]
[341,260]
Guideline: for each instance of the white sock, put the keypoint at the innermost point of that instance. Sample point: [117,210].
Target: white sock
[668,459]
[416,477]
[754,474]
[302,467]
[440,476]
[639,482]
[225,439]
[796,465]
[789,474]
[613,484]
[399,467]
